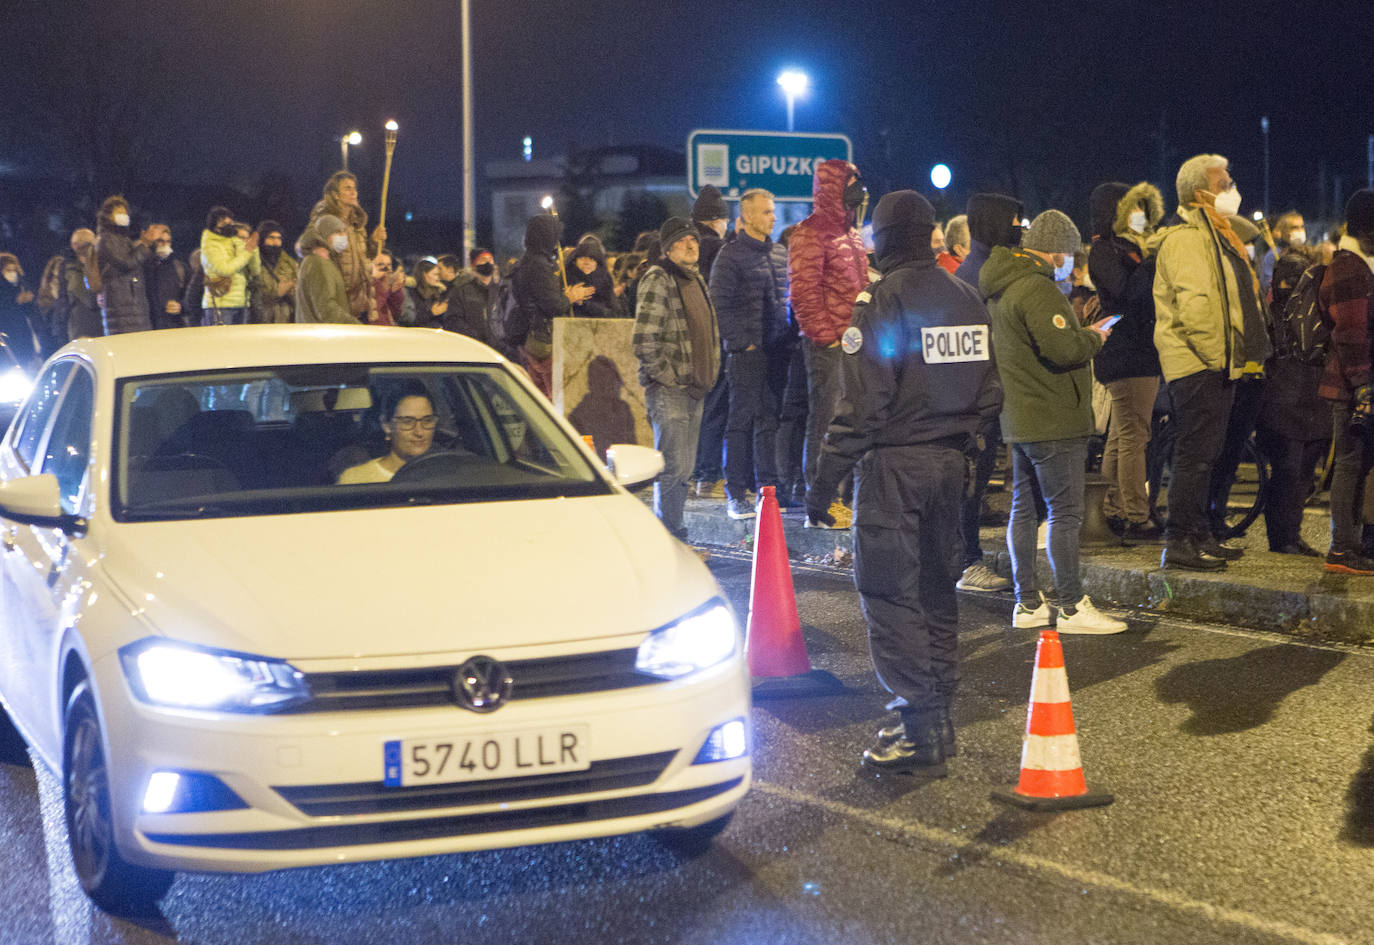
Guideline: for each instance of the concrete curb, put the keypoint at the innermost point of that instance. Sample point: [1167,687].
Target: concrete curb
[1263,591]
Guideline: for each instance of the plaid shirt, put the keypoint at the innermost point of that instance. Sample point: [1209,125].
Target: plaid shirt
[661,340]
[1346,296]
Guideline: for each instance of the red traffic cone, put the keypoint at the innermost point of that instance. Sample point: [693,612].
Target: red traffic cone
[1051,769]
[777,653]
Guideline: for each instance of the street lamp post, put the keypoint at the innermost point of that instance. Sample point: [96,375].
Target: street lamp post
[794,84]
[1264,129]
[353,137]
[469,187]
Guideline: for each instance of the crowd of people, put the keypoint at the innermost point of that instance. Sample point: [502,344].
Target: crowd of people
[1166,333]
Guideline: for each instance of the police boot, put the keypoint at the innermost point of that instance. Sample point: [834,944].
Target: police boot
[918,751]
[892,733]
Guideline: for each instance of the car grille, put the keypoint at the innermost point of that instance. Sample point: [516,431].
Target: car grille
[432,686]
[402,831]
[372,797]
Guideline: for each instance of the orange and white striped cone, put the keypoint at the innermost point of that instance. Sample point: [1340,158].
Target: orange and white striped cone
[1051,769]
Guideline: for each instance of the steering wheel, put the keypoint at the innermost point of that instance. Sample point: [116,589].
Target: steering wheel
[442,464]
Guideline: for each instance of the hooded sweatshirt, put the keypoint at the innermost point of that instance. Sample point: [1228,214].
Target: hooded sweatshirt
[991,223]
[826,260]
[604,303]
[536,283]
[1123,270]
[1043,355]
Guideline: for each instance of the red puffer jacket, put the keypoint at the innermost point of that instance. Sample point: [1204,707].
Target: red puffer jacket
[826,260]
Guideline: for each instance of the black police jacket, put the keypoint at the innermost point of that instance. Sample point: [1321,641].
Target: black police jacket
[917,368]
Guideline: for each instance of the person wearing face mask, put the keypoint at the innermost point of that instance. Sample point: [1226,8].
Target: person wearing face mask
[273,295]
[472,298]
[340,200]
[1121,264]
[81,287]
[1044,359]
[1209,331]
[1290,232]
[166,280]
[122,259]
[828,268]
[320,293]
[17,313]
[230,263]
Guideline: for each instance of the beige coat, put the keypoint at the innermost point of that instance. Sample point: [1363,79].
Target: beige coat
[1199,322]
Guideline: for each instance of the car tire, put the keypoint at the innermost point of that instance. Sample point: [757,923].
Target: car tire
[117,887]
[12,748]
[693,841]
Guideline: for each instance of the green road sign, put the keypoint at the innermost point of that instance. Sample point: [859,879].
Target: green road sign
[778,161]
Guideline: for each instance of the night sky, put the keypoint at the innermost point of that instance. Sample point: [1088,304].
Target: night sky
[1043,100]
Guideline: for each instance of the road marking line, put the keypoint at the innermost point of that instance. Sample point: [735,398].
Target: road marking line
[1086,877]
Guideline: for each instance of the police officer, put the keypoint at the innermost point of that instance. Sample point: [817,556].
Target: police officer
[918,384]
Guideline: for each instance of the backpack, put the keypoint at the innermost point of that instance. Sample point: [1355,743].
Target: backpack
[509,324]
[1302,330]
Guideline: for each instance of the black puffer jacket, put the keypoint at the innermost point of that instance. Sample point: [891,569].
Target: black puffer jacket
[1124,274]
[123,259]
[749,291]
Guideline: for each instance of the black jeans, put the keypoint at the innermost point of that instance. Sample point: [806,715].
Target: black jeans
[1201,407]
[793,423]
[710,464]
[1292,463]
[906,541]
[757,378]
[1350,464]
[973,502]
[1245,410]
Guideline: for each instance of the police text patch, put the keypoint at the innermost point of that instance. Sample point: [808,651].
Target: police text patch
[954,344]
[852,340]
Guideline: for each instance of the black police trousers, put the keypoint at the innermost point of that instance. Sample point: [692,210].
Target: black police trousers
[907,556]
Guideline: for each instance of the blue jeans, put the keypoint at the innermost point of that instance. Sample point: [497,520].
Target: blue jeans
[223,316]
[1058,467]
[676,419]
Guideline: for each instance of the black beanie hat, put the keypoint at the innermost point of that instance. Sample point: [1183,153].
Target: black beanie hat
[710,205]
[674,229]
[902,223]
[1359,214]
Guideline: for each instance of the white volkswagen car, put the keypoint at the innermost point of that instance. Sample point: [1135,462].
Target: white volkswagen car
[289,595]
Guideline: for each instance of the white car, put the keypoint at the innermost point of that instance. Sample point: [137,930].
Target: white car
[243,648]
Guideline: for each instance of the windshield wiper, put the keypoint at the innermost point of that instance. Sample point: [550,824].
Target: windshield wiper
[177,510]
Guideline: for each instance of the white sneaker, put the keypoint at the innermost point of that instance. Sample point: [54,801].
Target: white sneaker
[1024,618]
[1087,619]
[979,577]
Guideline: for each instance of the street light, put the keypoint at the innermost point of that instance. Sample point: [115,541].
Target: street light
[469,167]
[940,176]
[353,137]
[547,202]
[794,85]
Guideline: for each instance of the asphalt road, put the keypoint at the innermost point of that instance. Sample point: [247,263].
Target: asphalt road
[1242,764]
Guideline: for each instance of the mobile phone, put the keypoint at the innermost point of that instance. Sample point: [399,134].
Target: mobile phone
[1108,323]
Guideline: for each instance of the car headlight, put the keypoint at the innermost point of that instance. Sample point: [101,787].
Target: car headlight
[703,638]
[15,385]
[181,676]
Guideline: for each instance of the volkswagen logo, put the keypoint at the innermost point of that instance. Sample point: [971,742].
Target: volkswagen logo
[482,684]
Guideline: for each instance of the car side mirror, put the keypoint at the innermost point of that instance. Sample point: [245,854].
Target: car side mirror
[633,466]
[37,500]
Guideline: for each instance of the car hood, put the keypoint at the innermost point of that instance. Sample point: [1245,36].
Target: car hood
[408,581]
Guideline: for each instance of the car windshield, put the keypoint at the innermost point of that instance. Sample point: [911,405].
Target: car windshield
[321,437]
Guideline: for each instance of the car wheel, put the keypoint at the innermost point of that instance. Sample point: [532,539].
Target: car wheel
[12,750]
[114,885]
[693,841]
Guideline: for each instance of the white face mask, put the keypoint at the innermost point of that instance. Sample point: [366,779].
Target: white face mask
[11,277]
[1138,221]
[338,242]
[1066,270]
[1228,202]
[1297,238]
[121,219]
[164,250]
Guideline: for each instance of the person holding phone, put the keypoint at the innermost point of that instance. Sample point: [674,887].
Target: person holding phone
[1121,265]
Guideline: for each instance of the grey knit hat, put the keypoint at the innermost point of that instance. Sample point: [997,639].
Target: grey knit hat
[327,225]
[1052,232]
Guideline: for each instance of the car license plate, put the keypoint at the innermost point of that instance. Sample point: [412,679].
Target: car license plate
[483,757]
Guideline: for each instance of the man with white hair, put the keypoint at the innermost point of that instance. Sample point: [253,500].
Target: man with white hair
[1209,330]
